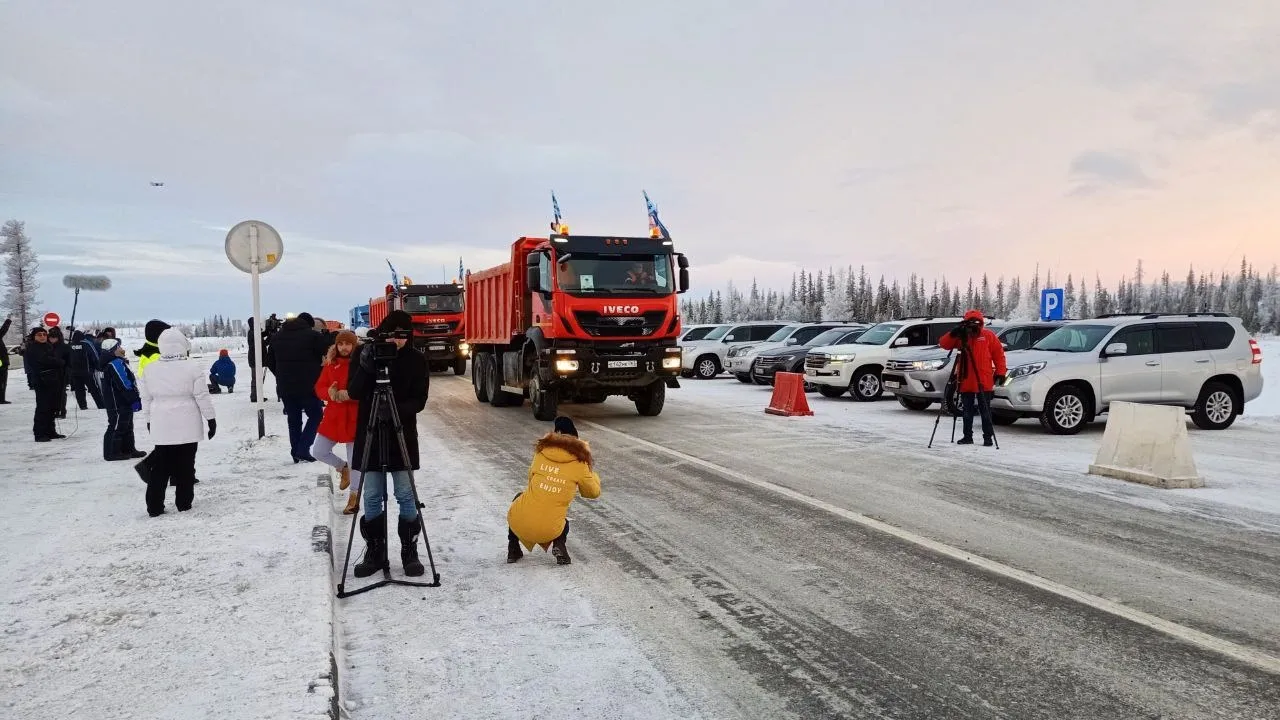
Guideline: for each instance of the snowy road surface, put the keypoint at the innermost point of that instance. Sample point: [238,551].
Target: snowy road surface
[697,591]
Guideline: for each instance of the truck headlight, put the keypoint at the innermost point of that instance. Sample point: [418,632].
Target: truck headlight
[564,365]
[842,357]
[1023,371]
[671,362]
[464,348]
[928,364]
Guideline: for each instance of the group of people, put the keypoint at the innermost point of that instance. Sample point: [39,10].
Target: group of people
[53,366]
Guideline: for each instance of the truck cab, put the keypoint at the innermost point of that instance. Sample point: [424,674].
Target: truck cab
[438,321]
[577,319]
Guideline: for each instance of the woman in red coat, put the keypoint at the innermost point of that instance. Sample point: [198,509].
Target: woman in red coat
[338,424]
[980,366]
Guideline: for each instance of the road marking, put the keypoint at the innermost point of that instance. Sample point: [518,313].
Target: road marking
[1235,651]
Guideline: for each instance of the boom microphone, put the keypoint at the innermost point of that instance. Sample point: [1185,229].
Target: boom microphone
[86,282]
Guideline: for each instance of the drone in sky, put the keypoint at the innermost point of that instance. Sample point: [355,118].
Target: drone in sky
[156,184]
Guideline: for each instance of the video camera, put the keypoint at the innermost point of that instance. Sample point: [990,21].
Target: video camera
[382,349]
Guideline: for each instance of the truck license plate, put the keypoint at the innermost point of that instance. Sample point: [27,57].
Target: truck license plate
[622,364]
[436,347]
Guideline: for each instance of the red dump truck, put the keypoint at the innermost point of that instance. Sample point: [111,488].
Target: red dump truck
[438,323]
[577,319]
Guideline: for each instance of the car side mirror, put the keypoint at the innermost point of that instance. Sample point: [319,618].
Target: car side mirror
[1004,345]
[1118,348]
[792,341]
[728,338]
[900,342]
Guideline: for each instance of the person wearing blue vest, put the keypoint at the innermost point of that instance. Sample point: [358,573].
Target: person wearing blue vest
[121,398]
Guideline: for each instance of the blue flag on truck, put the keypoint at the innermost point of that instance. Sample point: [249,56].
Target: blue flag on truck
[555,209]
[395,279]
[461,273]
[654,223]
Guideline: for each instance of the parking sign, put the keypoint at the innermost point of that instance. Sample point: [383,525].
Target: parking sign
[1051,301]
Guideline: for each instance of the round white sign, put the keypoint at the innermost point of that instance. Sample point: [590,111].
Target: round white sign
[240,246]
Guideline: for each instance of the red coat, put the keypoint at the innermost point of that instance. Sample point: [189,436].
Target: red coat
[339,420]
[988,361]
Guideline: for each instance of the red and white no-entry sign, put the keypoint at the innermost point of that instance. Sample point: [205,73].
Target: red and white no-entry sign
[51,319]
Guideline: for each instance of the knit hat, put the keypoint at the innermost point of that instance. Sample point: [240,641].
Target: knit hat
[565,426]
[153,329]
[305,317]
[396,320]
[110,345]
[224,353]
[346,336]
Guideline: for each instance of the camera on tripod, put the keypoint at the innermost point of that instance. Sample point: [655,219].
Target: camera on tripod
[383,351]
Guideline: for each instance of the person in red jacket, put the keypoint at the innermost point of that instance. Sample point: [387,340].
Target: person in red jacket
[978,368]
[338,423]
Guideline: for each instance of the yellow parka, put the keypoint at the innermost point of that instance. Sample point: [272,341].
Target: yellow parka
[561,468]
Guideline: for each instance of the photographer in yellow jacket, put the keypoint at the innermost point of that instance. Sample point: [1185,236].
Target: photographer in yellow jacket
[561,469]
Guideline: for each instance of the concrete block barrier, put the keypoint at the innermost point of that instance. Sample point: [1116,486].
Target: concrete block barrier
[1147,444]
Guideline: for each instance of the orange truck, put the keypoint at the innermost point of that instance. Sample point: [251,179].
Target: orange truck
[577,319]
[438,323]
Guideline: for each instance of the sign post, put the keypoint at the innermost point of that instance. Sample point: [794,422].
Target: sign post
[255,247]
[51,319]
[1051,302]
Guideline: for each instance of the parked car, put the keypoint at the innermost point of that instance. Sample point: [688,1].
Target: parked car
[790,358]
[15,358]
[1204,362]
[739,359]
[856,367]
[697,332]
[919,378]
[704,359]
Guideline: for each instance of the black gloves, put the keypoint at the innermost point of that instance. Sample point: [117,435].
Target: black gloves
[957,332]
[213,428]
[999,379]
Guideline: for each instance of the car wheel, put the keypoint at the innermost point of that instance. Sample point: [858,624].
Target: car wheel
[831,391]
[743,378]
[707,367]
[1066,410]
[1003,419]
[914,404]
[866,386]
[1217,407]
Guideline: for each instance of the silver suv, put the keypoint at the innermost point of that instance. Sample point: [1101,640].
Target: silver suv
[704,358]
[1204,362]
[855,367]
[918,378]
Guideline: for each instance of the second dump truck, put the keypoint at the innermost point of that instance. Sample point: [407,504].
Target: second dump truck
[438,328]
[577,319]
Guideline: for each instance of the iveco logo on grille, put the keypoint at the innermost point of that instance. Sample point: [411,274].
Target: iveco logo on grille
[622,309]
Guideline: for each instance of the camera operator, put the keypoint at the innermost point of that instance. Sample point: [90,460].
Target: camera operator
[391,355]
[978,368]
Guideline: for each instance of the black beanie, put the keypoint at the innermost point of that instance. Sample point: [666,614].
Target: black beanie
[565,426]
[153,329]
[305,317]
[396,320]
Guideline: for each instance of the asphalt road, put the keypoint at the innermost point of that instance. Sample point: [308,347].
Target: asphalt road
[758,603]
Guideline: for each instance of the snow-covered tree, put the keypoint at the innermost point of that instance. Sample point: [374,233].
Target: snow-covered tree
[21,268]
[837,305]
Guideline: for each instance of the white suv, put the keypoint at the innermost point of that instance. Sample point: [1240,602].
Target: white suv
[856,367]
[1204,362]
[705,358]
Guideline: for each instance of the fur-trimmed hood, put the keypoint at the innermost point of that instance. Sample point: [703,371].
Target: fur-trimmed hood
[575,448]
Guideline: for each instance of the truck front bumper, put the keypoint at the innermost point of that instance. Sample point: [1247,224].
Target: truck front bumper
[614,367]
[442,349]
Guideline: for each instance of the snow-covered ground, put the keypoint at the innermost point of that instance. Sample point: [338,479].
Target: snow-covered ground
[235,344]
[223,611]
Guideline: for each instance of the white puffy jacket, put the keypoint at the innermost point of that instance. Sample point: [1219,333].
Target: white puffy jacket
[175,393]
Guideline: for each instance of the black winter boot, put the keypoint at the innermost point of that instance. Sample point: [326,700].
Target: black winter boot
[514,553]
[560,552]
[409,547]
[374,533]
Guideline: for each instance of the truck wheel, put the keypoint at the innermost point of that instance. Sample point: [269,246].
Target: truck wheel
[866,385]
[479,376]
[542,398]
[460,366]
[650,400]
[497,396]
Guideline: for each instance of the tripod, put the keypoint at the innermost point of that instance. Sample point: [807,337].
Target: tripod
[384,420]
[957,372]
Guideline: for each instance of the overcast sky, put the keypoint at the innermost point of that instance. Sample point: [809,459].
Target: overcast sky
[934,137]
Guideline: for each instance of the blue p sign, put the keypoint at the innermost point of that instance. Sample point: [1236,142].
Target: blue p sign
[1051,300]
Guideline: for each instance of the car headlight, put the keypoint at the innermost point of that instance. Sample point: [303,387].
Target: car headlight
[929,364]
[841,357]
[1024,371]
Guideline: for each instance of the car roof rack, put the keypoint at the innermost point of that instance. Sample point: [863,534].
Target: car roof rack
[917,317]
[1153,316]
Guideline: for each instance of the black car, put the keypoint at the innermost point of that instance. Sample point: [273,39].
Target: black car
[790,358]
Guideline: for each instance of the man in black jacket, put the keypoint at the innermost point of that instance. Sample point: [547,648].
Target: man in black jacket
[4,360]
[45,368]
[410,384]
[295,358]
[82,370]
[62,350]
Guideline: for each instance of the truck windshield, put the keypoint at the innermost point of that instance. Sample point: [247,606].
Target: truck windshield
[878,335]
[1074,338]
[430,304]
[581,272]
